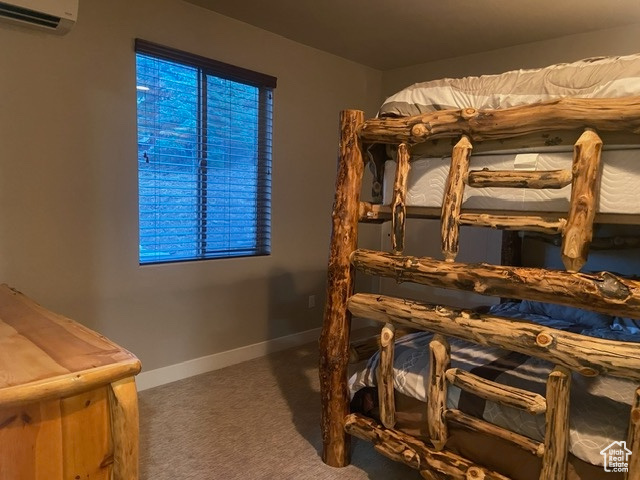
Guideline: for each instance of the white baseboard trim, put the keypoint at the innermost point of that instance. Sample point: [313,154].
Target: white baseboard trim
[172,373]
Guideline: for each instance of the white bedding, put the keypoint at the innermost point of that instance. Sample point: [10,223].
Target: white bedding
[601,77]
[428,176]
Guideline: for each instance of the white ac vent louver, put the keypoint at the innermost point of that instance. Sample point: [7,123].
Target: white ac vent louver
[57,16]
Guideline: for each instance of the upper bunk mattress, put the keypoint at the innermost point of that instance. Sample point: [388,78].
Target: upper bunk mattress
[428,177]
[601,77]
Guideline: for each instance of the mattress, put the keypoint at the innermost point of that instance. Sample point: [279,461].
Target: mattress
[600,77]
[428,176]
[600,405]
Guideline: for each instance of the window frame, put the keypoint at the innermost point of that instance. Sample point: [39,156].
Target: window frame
[265,85]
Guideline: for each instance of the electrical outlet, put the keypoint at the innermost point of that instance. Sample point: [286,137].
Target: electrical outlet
[312,301]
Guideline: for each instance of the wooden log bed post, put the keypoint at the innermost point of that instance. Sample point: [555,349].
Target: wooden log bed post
[452,199]
[439,363]
[556,438]
[398,203]
[584,196]
[386,397]
[334,338]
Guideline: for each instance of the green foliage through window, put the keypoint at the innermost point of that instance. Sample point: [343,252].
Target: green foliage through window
[204,157]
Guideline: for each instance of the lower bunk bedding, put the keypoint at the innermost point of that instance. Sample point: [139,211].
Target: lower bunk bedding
[600,405]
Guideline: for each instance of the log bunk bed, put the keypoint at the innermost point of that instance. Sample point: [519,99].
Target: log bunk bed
[571,358]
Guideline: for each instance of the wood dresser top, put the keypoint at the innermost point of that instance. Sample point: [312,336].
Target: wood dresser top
[44,355]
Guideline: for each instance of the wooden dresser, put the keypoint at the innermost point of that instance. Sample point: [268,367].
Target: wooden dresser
[68,401]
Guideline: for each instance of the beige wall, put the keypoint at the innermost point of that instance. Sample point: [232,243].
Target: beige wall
[68,186]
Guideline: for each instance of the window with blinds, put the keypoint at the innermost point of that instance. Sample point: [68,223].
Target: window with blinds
[204,157]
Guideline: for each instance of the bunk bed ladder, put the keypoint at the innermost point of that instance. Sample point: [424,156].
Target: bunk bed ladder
[576,229]
[334,337]
[555,407]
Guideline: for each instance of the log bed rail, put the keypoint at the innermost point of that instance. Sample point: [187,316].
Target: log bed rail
[603,292]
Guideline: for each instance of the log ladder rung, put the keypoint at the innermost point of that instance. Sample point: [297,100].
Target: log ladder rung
[475,424]
[531,223]
[553,179]
[530,402]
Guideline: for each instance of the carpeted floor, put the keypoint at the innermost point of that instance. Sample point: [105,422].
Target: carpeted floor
[256,420]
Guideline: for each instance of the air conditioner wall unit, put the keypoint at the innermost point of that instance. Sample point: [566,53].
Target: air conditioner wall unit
[57,16]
